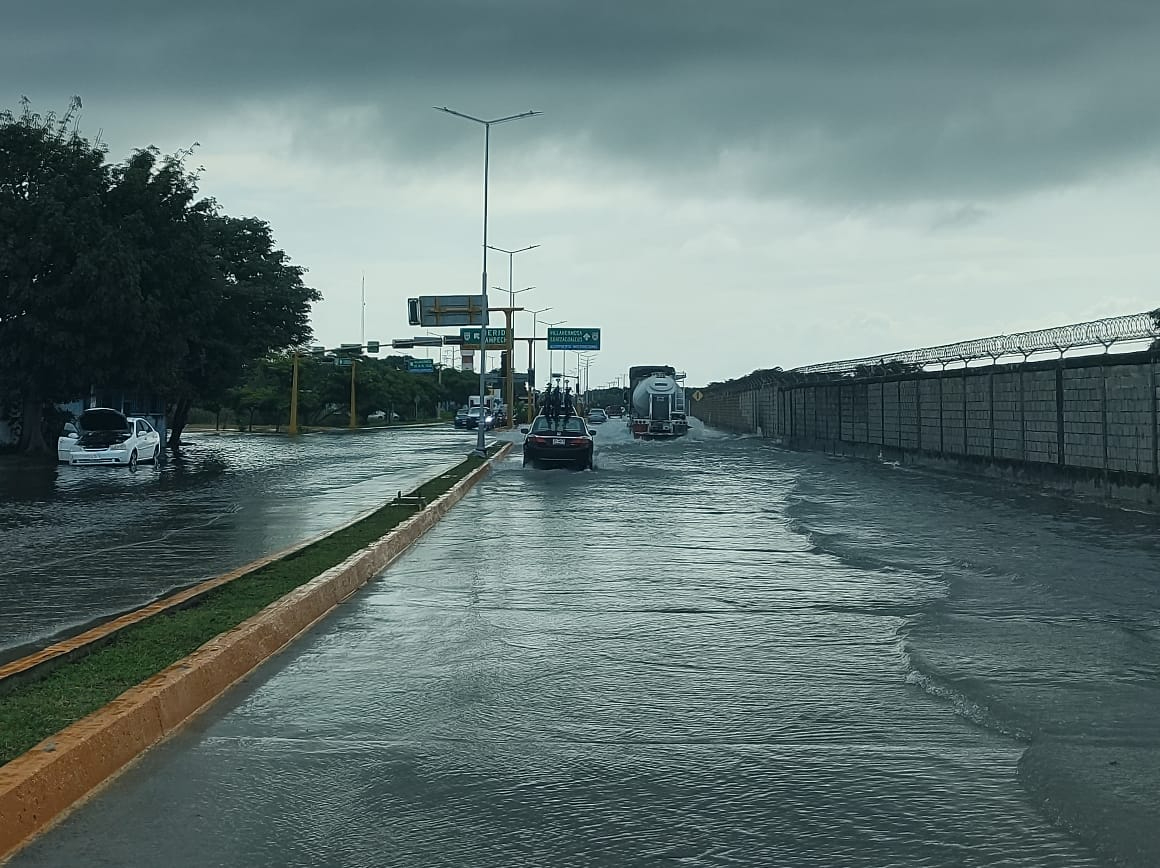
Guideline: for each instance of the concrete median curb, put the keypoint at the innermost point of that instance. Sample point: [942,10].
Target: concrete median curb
[38,788]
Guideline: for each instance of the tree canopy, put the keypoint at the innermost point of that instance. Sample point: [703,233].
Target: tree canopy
[120,275]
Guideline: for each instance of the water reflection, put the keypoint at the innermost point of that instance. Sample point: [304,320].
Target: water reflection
[79,543]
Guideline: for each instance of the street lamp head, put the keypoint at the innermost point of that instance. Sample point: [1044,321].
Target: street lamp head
[485,122]
[511,252]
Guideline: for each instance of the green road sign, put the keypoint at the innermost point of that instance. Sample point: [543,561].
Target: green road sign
[421,366]
[496,338]
[344,361]
[573,339]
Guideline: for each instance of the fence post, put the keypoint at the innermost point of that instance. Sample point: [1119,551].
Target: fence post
[1022,415]
[918,412]
[1155,432]
[1104,415]
[965,449]
[991,411]
[1059,458]
[942,437]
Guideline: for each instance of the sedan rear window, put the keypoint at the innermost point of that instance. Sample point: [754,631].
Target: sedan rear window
[573,425]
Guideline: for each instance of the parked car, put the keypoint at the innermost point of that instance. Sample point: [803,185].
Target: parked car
[104,436]
[474,415]
[596,416]
[461,417]
[553,443]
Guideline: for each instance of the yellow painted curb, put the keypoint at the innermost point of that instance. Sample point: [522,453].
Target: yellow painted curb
[38,788]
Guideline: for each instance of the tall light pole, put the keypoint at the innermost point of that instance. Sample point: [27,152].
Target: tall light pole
[550,353]
[532,351]
[481,443]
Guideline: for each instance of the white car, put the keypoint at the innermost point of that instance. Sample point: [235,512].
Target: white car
[104,436]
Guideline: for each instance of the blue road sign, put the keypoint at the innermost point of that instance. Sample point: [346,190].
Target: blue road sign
[421,366]
[573,339]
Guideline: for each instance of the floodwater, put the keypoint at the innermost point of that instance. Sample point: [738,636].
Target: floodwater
[78,544]
[706,653]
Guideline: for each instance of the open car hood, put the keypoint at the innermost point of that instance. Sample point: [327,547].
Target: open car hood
[102,419]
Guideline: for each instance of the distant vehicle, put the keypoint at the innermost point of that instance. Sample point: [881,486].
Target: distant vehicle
[473,417]
[615,411]
[567,442]
[597,416]
[380,415]
[461,417]
[657,402]
[104,436]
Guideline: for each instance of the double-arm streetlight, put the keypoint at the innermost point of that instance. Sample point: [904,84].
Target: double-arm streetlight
[511,255]
[481,443]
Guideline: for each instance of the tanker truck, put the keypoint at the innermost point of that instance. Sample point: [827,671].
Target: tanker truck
[656,402]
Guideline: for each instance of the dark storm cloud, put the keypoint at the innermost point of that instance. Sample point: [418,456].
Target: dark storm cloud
[857,101]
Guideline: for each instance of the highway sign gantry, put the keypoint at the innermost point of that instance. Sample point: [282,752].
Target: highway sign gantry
[573,339]
[446,310]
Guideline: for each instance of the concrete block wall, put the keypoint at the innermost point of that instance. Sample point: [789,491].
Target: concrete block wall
[908,414]
[977,403]
[1083,427]
[891,421]
[1007,416]
[874,412]
[1095,418]
[952,414]
[1040,417]
[847,407]
[1130,393]
[930,403]
[861,411]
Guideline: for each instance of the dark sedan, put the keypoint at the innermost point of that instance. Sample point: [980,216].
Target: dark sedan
[566,442]
[475,414]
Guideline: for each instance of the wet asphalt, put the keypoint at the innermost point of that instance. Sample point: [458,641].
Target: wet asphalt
[705,653]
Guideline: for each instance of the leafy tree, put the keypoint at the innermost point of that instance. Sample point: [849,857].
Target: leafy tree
[66,278]
[262,306]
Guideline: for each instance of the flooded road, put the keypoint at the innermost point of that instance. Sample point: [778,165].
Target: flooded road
[81,543]
[706,653]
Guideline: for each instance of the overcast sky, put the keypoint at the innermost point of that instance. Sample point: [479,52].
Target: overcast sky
[721,185]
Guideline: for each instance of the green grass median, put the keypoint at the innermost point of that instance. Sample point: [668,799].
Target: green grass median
[32,711]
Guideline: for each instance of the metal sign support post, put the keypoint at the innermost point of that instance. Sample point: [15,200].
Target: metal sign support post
[293,428]
[353,414]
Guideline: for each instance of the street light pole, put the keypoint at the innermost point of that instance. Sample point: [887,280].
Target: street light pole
[481,442]
[551,355]
[532,360]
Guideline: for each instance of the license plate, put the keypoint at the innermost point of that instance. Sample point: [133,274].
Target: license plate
[559,441]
